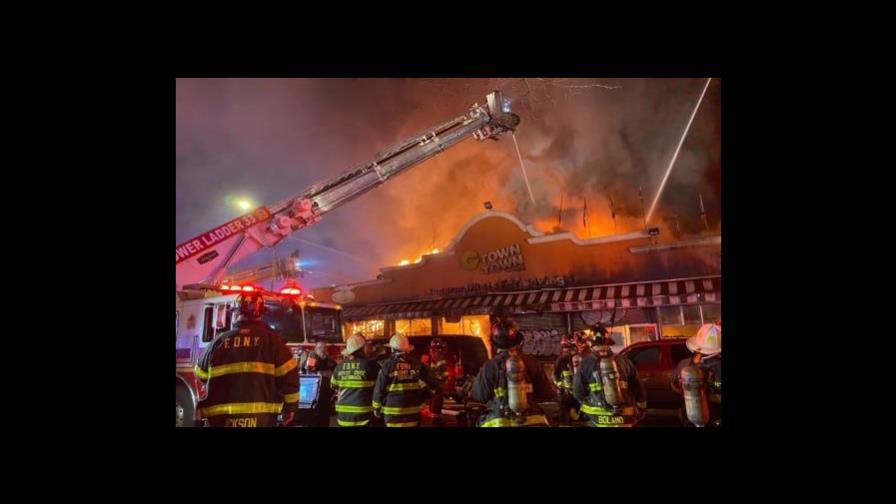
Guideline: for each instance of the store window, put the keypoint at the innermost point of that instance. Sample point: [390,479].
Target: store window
[446,327]
[639,333]
[470,325]
[414,327]
[691,314]
[475,325]
[367,328]
[617,334]
[711,313]
[680,321]
[670,315]
[680,331]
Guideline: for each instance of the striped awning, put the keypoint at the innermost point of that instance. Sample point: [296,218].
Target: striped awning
[662,293]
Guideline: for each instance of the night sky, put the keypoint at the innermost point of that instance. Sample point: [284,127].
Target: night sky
[268,139]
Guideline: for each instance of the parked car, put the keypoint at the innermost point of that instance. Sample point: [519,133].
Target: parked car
[656,361]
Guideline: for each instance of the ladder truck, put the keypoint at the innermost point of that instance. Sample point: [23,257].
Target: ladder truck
[206,290]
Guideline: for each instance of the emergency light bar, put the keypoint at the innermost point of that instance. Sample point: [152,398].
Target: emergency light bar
[291,289]
[238,288]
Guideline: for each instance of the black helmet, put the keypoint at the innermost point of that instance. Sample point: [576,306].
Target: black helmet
[437,344]
[602,335]
[505,334]
[251,304]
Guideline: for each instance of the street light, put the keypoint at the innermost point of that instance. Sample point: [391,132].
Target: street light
[244,204]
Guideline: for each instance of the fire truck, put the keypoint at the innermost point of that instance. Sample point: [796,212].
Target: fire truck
[206,290]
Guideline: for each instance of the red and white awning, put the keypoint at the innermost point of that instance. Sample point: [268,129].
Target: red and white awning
[662,293]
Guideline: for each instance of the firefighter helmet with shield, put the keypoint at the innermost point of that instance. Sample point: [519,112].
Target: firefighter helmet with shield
[707,341]
[400,343]
[251,304]
[601,336]
[355,342]
[505,334]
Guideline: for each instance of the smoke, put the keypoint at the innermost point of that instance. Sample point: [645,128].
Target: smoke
[271,138]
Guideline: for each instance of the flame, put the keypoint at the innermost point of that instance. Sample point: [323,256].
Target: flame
[600,223]
[405,262]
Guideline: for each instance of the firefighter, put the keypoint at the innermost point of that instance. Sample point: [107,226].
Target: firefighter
[319,362]
[402,386]
[511,383]
[706,346]
[563,371]
[608,386]
[353,380]
[251,375]
[438,371]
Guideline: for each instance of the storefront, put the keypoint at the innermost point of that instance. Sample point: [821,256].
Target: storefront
[643,286]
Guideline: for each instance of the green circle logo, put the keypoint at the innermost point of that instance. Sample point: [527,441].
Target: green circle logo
[469,260]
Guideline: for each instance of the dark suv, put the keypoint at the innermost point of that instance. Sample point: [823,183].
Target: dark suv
[656,361]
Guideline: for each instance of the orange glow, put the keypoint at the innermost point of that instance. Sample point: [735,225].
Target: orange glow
[404,262]
[475,328]
[414,327]
[470,325]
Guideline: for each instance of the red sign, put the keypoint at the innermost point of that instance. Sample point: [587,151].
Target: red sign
[209,240]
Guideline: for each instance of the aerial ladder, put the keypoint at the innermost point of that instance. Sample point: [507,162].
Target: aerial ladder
[204,260]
